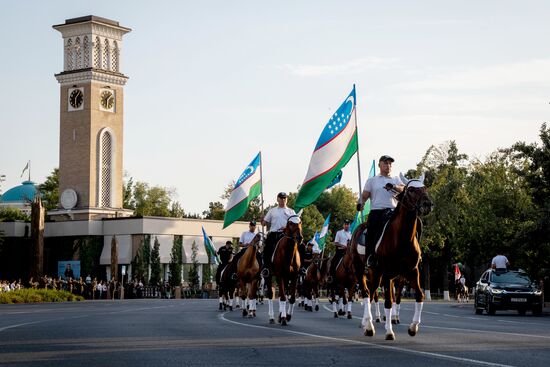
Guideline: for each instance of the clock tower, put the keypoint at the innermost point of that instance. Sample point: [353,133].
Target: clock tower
[91,120]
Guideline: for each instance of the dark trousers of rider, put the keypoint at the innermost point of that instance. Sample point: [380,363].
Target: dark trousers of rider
[375,225]
[339,254]
[269,247]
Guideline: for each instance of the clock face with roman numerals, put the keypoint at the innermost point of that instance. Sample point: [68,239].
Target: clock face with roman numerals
[76,99]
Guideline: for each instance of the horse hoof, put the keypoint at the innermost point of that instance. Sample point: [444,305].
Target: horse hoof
[397,321]
[249,315]
[335,315]
[384,318]
[369,332]
[230,308]
[378,319]
[288,317]
[244,313]
[390,336]
[221,307]
[394,322]
[279,319]
[341,313]
[413,329]
[349,316]
[283,321]
[271,321]
[316,307]
[253,313]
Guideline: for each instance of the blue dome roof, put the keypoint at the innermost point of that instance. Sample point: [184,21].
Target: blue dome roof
[22,193]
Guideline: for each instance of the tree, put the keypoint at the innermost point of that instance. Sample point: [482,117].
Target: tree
[534,166]
[215,211]
[12,214]
[156,271]
[49,190]
[142,260]
[127,197]
[176,262]
[194,270]
[341,202]
[151,201]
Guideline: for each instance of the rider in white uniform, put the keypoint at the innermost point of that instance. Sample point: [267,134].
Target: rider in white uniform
[277,218]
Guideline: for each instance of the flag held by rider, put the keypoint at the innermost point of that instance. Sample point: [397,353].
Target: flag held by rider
[210,247]
[246,189]
[335,147]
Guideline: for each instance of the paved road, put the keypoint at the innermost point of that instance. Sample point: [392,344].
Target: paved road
[194,333]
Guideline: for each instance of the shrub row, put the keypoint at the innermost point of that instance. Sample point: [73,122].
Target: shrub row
[37,295]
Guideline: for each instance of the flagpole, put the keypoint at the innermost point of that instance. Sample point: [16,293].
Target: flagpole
[262,192]
[357,133]
[29,170]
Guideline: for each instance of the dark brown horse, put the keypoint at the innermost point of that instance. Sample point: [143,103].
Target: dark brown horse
[248,272]
[228,285]
[398,253]
[345,279]
[285,265]
[314,279]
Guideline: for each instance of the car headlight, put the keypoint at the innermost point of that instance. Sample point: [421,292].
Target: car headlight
[496,291]
[537,293]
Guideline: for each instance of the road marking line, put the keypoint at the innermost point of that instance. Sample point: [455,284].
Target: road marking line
[472,330]
[399,349]
[41,321]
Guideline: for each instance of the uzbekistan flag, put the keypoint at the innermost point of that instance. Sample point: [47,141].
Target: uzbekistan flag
[335,147]
[322,237]
[360,217]
[210,247]
[247,188]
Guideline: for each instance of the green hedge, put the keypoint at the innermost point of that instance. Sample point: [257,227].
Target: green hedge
[37,295]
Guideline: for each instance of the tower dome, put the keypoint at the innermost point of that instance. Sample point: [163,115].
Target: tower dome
[23,193]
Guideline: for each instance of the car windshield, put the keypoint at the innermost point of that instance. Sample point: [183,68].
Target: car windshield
[510,277]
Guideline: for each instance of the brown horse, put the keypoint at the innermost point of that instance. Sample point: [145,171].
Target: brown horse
[285,265]
[345,278]
[398,253]
[314,279]
[248,272]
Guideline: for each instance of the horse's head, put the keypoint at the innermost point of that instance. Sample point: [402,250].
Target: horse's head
[415,196]
[294,228]
[258,239]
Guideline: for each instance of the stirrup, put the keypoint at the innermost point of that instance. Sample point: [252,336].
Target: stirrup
[265,272]
[329,279]
[371,260]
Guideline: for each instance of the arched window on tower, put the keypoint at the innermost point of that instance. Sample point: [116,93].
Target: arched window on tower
[77,54]
[114,57]
[97,53]
[105,56]
[85,53]
[105,169]
[69,55]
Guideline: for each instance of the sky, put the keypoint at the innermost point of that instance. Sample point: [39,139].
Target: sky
[214,82]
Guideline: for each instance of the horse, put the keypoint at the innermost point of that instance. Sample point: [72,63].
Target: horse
[285,266]
[227,286]
[248,273]
[313,280]
[345,278]
[398,253]
[462,295]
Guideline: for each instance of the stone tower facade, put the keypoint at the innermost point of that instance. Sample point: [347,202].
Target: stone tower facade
[91,120]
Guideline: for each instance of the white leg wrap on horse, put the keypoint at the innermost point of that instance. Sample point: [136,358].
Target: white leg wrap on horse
[367,315]
[291,308]
[282,308]
[397,308]
[221,299]
[334,308]
[349,306]
[341,304]
[393,309]
[387,312]
[417,312]
[270,308]
[377,309]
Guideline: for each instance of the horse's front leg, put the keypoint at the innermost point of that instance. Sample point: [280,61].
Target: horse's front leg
[241,290]
[269,296]
[282,301]
[252,289]
[292,300]
[419,298]
[388,301]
